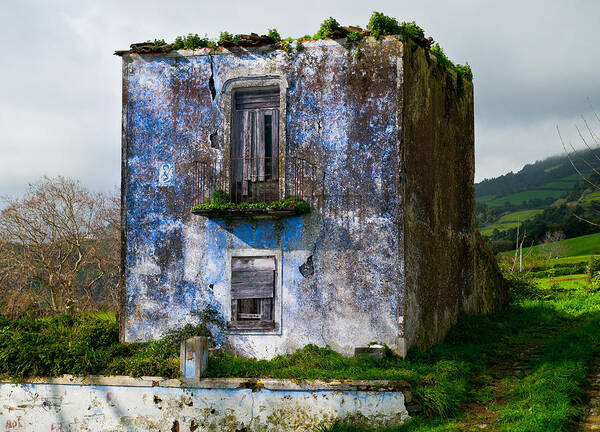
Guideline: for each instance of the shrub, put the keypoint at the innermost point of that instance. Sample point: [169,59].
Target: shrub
[354,37]
[192,41]
[522,285]
[592,271]
[329,28]
[274,34]
[382,25]
[226,37]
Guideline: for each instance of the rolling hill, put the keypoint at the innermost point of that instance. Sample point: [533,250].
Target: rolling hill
[544,196]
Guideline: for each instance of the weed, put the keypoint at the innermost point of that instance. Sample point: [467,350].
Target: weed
[299,46]
[354,37]
[274,34]
[329,29]
[226,37]
[192,41]
[382,25]
[592,272]
[220,201]
[286,47]
[358,54]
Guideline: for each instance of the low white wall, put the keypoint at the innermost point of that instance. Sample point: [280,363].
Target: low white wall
[154,404]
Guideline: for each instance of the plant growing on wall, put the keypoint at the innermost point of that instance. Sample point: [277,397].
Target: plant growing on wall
[220,202]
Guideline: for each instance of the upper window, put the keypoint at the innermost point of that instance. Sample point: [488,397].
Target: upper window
[255,145]
[252,293]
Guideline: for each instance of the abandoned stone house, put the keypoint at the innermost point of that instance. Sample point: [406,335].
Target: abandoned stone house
[381,147]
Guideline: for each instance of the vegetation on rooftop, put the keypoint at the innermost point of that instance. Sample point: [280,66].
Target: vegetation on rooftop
[379,25]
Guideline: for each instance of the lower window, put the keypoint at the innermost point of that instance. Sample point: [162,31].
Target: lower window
[252,293]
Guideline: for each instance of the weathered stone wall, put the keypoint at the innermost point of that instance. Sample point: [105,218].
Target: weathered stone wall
[125,404]
[446,273]
[341,113]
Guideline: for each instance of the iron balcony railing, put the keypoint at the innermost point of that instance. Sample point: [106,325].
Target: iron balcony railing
[254,180]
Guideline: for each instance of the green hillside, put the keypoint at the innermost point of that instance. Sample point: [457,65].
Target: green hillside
[576,249]
[544,197]
[555,174]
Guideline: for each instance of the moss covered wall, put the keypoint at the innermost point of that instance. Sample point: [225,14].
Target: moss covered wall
[442,268]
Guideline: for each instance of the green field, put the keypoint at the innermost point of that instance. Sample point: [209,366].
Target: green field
[574,247]
[510,220]
[521,197]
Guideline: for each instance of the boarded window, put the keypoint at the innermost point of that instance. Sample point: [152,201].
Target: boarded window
[255,145]
[252,293]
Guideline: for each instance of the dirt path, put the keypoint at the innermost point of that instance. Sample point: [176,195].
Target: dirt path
[483,417]
[564,280]
[591,421]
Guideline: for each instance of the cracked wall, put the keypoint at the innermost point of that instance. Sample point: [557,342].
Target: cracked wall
[449,269]
[54,407]
[342,113]
[389,254]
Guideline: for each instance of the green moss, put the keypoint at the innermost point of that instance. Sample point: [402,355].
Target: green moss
[462,71]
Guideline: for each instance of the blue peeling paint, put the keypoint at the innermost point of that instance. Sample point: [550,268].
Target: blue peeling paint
[176,262]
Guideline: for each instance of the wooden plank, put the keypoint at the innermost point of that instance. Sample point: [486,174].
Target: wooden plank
[234,310]
[252,263]
[266,309]
[248,306]
[251,325]
[275,142]
[257,105]
[260,146]
[252,284]
[246,150]
[257,99]
[245,316]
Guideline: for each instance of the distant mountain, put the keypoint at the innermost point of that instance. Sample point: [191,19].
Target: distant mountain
[546,196]
[537,175]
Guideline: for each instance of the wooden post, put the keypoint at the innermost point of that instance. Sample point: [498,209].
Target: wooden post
[193,357]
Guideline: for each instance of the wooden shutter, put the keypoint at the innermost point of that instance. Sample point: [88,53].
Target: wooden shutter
[252,292]
[248,136]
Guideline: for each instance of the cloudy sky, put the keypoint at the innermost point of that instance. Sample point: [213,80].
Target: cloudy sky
[535,64]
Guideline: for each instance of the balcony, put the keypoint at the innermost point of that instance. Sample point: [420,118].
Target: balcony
[255,187]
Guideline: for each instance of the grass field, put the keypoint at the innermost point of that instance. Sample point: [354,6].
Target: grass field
[577,248]
[521,197]
[530,379]
[510,220]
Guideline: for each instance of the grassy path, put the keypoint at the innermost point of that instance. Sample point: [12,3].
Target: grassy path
[538,358]
[591,421]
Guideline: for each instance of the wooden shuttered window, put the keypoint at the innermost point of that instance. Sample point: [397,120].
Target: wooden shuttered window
[255,145]
[252,293]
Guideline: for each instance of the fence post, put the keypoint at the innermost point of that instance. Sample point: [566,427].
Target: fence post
[193,357]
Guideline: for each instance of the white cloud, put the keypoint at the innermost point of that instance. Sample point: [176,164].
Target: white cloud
[60,102]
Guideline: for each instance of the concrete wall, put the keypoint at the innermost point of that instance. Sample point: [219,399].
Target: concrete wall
[448,271]
[340,112]
[126,404]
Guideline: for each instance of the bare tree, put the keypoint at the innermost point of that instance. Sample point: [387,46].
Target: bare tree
[552,246]
[590,139]
[59,247]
